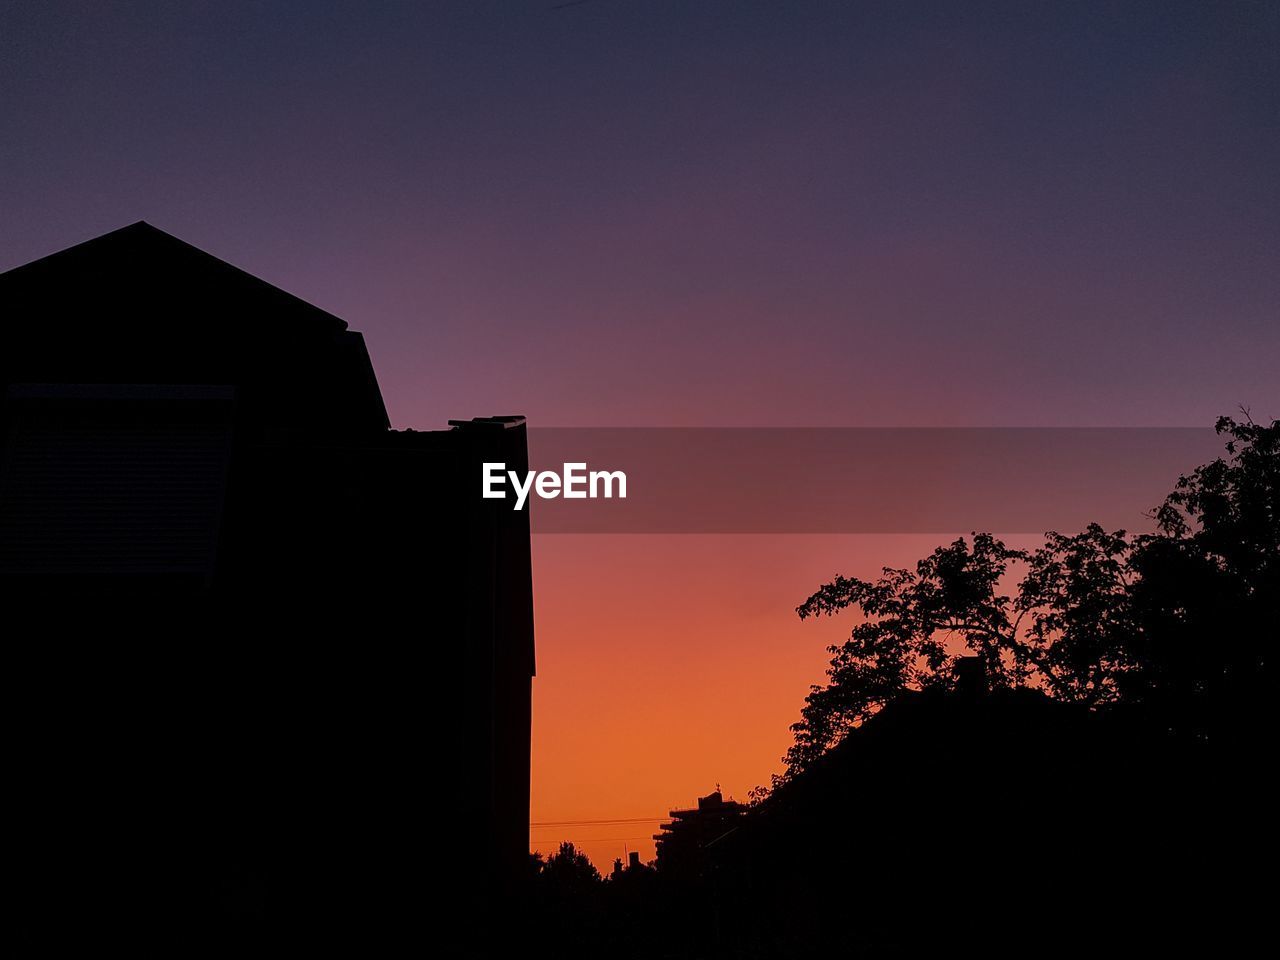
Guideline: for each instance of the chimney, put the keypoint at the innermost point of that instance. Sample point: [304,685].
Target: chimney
[633,860]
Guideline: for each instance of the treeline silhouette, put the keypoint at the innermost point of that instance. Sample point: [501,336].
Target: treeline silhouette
[1058,751]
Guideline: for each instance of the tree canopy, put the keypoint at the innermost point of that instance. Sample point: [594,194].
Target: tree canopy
[1176,623]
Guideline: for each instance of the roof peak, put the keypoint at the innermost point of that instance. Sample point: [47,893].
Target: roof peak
[131,245]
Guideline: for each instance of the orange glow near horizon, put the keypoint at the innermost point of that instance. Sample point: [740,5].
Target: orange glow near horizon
[670,663]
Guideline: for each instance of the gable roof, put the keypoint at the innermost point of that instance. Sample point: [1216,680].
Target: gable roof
[141,251]
[139,306]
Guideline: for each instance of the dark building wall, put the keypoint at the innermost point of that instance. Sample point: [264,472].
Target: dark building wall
[275,658]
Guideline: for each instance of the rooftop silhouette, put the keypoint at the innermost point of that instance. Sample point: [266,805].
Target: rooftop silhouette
[271,643]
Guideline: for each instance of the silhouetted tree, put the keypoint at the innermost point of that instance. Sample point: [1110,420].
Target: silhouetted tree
[569,868]
[1177,622]
[1206,593]
[566,899]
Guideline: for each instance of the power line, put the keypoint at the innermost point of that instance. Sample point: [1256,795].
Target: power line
[587,823]
[537,843]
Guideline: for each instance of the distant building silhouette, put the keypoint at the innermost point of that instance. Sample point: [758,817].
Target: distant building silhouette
[633,865]
[269,656]
[681,841]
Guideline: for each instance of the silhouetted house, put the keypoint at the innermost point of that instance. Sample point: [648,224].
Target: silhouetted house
[981,817]
[261,647]
[682,840]
[633,864]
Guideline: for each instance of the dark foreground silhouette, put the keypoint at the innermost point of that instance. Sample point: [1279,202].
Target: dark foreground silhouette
[266,660]
[1064,751]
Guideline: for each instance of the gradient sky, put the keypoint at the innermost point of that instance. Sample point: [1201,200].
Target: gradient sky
[637,212]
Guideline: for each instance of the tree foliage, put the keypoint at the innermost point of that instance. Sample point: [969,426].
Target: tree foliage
[568,868]
[1178,622]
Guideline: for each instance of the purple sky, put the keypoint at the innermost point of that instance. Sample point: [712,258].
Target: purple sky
[645,212]
[721,212]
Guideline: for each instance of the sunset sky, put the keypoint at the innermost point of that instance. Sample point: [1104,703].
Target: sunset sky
[719,213]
